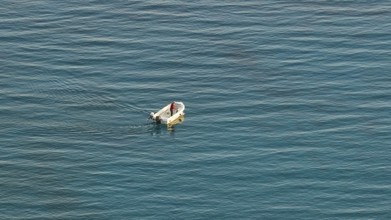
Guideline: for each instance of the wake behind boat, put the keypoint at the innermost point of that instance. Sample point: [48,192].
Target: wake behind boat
[171,114]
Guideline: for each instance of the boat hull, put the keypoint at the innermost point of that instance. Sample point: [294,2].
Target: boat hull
[163,116]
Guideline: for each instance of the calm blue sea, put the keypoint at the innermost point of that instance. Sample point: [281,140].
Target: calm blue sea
[288,109]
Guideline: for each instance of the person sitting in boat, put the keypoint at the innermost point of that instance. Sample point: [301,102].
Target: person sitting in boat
[172,107]
[158,120]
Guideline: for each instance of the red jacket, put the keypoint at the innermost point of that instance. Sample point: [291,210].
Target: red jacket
[172,106]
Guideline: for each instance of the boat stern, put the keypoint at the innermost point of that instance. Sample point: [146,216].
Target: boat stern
[152,116]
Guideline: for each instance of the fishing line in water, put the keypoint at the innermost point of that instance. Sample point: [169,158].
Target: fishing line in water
[135,108]
[76,98]
[73,92]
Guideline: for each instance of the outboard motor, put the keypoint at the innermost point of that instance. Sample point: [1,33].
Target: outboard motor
[152,115]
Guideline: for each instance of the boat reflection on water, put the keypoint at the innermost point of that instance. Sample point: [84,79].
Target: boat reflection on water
[159,128]
[177,121]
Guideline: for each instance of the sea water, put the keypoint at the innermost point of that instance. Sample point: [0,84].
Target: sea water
[288,107]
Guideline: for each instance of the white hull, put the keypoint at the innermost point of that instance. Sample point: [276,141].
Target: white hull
[163,116]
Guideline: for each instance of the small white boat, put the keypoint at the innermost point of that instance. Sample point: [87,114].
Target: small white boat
[171,114]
